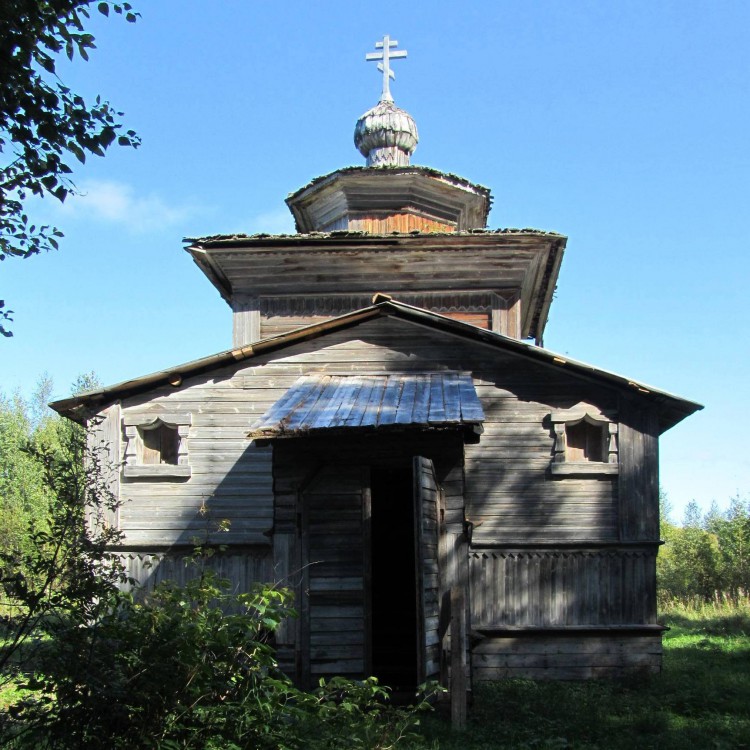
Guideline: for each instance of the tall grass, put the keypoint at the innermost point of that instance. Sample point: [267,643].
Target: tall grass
[722,616]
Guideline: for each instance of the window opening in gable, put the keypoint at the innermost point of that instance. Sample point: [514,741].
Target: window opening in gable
[159,445]
[585,442]
[156,445]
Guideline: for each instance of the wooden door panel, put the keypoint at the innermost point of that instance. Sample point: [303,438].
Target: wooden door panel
[335,512]
[426,496]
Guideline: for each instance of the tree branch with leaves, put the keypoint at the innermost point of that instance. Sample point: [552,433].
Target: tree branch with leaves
[44,125]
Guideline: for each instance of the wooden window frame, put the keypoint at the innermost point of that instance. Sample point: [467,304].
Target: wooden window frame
[561,463]
[134,424]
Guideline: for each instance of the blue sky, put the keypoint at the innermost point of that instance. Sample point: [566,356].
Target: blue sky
[621,125]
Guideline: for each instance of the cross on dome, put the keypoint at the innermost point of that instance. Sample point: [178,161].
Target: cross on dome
[385,66]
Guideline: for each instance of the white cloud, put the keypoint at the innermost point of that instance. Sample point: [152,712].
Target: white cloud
[119,203]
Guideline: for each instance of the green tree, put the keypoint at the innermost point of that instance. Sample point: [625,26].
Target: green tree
[732,530]
[24,495]
[43,124]
[689,564]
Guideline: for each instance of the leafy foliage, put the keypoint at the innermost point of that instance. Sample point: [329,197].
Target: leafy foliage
[708,557]
[43,124]
[23,493]
[193,667]
[58,563]
[30,435]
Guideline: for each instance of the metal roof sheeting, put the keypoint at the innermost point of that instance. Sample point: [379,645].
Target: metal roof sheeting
[319,402]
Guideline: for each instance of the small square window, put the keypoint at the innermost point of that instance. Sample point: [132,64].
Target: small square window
[159,444]
[585,443]
[156,445]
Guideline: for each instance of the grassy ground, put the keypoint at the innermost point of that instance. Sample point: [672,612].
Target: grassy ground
[701,699]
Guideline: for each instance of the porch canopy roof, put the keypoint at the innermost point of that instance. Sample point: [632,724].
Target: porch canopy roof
[324,402]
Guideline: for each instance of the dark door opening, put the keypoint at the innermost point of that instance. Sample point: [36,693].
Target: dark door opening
[393,578]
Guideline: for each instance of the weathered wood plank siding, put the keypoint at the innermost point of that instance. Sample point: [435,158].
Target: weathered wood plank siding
[243,567]
[426,496]
[639,473]
[509,494]
[566,657]
[230,478]
[390,222]
[548,551]
[559,588]
[482,308]
[334,516]
[245,319]
[320,484]
[104,457]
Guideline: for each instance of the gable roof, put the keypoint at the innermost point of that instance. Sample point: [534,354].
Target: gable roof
[672,409]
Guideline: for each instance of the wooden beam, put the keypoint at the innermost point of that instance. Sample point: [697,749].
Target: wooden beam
[458,659]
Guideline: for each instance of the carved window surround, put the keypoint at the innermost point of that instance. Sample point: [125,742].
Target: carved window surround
[135,425]
[602,429]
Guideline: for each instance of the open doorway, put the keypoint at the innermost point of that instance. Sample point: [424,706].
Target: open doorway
[393,578]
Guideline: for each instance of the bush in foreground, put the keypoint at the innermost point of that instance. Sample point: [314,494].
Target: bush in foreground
[193,667]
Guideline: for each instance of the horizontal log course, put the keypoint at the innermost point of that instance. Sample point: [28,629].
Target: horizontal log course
[565,658]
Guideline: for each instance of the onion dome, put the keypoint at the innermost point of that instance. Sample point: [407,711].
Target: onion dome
[386,135]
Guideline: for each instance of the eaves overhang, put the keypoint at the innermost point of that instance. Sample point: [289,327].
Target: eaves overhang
[338,198]
[527,260]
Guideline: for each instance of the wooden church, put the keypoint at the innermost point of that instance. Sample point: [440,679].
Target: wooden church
[383,433]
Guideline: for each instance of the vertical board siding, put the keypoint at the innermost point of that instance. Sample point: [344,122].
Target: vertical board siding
[639,474]
[104,448]
[558,588]
[333,512]
[282,314]
[397,222]
[426,528]
[245,320]
[243,568]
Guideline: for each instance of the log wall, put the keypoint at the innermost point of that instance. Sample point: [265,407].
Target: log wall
[230,478]
[568,656]
[548,551]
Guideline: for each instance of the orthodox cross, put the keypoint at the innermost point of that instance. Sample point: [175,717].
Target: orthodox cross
[385,67]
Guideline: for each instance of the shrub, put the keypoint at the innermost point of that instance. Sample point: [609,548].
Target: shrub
[194,667]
